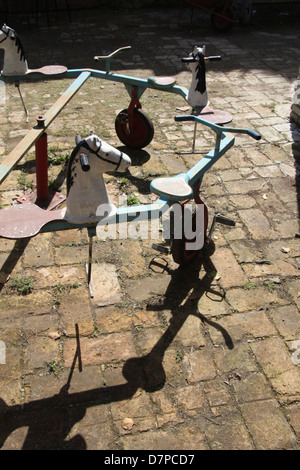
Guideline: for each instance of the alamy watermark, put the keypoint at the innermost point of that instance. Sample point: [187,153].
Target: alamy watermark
[177,222]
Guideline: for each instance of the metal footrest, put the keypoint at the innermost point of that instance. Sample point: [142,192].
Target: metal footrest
[224,220]
[221,220]
[161,249]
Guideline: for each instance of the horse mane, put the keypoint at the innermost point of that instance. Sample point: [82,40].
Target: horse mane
[20,47]
[70,177]
[201,81]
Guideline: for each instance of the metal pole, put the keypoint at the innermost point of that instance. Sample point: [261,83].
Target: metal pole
[41,156]
[89,263]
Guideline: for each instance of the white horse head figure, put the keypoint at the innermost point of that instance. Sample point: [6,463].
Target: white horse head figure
[87,197]
[197,96]
[14,55]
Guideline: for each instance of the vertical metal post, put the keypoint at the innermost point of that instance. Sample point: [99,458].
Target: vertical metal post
[41,156]
[91,234]
[90,261]
[194,138]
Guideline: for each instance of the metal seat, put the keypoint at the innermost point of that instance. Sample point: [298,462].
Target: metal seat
[162,83]
[175,188]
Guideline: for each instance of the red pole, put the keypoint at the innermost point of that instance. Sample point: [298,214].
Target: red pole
[41,158]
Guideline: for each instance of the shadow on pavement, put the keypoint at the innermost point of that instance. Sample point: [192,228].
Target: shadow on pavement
[50,420]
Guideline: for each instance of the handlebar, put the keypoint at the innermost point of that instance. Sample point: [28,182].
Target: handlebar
[219,129]
[78,139]
[84,161]
[211,58]
[112,54]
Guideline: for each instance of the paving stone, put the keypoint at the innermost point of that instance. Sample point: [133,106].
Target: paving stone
[273,356]
[252,387]
[287,320]
[257,298]
[93,425]
[217,393]
[278,365]
[105,285]
[138,407]
[111,319]
[293,413]
[191,333]
[180,439]
[242,325]
[280,268]
[225,262]
[237,358]
[39,352]
[132,264]
[233,435]
[190,398]
[244,186]
[198,365]
[60,277]
[114,347]
[145,288]
[38,252]
[257,223]
[81,316]
[17,306]
[260,417]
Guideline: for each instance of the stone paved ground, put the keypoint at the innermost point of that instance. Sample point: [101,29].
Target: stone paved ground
[197,360]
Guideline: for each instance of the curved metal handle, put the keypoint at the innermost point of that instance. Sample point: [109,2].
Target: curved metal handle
[219,129]
[112,54]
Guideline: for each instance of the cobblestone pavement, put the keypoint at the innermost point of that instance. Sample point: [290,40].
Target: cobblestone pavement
[199,358]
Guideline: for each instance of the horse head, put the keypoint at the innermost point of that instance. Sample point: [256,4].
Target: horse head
[197,96]
[87,197]
[15,62]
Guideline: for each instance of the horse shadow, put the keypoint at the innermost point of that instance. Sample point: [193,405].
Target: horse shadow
[50,420]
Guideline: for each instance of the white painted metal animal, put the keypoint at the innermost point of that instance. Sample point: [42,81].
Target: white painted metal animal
[197,96]
[87,196]
[14,62]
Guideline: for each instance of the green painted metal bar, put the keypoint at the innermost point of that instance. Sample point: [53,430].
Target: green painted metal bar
[30,138]
[128,80]
[124,214]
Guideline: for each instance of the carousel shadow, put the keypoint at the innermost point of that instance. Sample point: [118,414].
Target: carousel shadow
[50,420]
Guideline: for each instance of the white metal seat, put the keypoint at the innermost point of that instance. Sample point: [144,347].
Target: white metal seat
[175,187]
[162,82]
